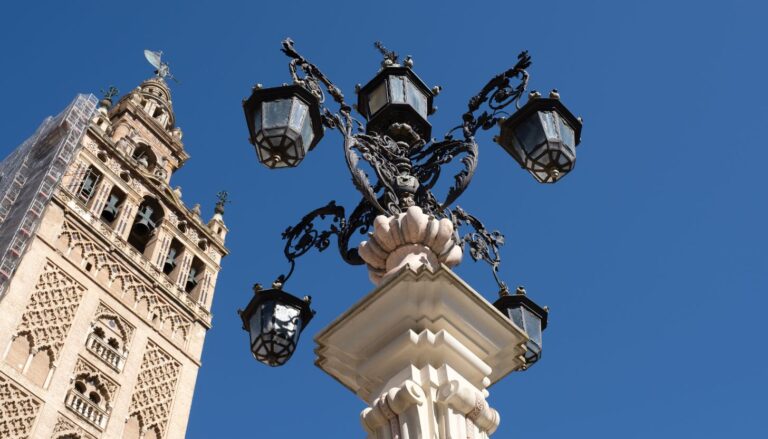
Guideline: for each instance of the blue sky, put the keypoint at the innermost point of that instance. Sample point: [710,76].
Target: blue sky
[651,254]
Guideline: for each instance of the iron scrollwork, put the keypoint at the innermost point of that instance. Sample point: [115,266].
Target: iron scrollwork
[304,236]
[483,245]
[406,170]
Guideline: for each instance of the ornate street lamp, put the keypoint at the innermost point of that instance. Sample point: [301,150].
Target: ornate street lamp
[284,124]
[529,317]
[396,95]
[405,164]
[275,319]
[542,136]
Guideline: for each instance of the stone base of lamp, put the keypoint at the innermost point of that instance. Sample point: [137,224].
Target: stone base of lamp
[411,238]
[421,350]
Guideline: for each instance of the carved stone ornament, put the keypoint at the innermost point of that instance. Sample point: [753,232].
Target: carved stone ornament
[411,238]
[18,410]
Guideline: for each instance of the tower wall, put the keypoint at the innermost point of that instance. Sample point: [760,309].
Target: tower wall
[99,337]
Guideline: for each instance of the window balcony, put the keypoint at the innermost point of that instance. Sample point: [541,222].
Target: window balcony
[86,409]
[97,346]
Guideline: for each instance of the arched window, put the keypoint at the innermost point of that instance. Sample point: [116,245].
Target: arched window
[173,257]
[144,156]
[112,208]
[194,276]
[89,399]
[109,341]
[87,186]
[147,219]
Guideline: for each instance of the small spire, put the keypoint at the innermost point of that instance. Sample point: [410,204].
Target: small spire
[223,199]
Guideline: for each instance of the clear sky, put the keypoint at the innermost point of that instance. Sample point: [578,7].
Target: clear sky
[651,254]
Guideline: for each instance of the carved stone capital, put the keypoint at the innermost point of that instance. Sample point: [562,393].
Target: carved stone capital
[411,238]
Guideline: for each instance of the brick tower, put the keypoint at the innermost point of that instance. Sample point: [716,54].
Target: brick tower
[106,277]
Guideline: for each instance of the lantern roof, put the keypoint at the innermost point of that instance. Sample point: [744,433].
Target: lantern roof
[516,300]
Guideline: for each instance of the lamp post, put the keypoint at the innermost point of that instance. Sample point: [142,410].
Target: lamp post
[406,224]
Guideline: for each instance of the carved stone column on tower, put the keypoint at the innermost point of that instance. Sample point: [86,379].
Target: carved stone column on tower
[100,198]
[125,219]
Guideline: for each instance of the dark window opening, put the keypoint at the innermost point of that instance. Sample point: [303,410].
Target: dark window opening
[196,270]
[145,157]
[94,397]
[88,185]
[145,224]
[174,253]
[112,208]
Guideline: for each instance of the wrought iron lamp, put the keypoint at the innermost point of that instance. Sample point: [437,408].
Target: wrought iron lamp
[542,136]
[284,124]
[529,317]
[405,163]
[275,319]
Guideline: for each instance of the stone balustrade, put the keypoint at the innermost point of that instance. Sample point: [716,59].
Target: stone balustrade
[97,346]
[86,409]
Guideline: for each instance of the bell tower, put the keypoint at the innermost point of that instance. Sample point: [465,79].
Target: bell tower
[106,275]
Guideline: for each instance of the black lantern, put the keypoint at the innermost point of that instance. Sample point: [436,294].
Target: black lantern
[284,124]
[396,95]
[529,317]
[542,137]
[274,319]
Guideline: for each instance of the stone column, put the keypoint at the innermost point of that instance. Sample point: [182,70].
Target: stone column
[99,199]
[423,347]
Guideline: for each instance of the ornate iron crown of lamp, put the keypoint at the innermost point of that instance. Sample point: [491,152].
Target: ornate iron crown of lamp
[287,122]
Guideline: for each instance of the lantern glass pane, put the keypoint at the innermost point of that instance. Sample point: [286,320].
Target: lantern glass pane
[532,326]
[549,124]
[530,133]
[264,153]
[417,99]
[266,310]
[516,315]
[276,113]
[286,321]
[257,120]
[255,325]
[291,152]
[377,98]
[397,89]
[567,134]
[298,113]
[307,134]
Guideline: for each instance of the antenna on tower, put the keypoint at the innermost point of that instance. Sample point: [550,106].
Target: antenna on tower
[162,69]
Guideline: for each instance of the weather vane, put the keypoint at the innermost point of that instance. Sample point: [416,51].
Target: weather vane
[162,69]
[223,200]
[111,92]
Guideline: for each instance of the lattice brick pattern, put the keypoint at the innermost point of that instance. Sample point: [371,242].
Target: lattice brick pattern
[51,308]
[156,387]
[131,284]
[18,411]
